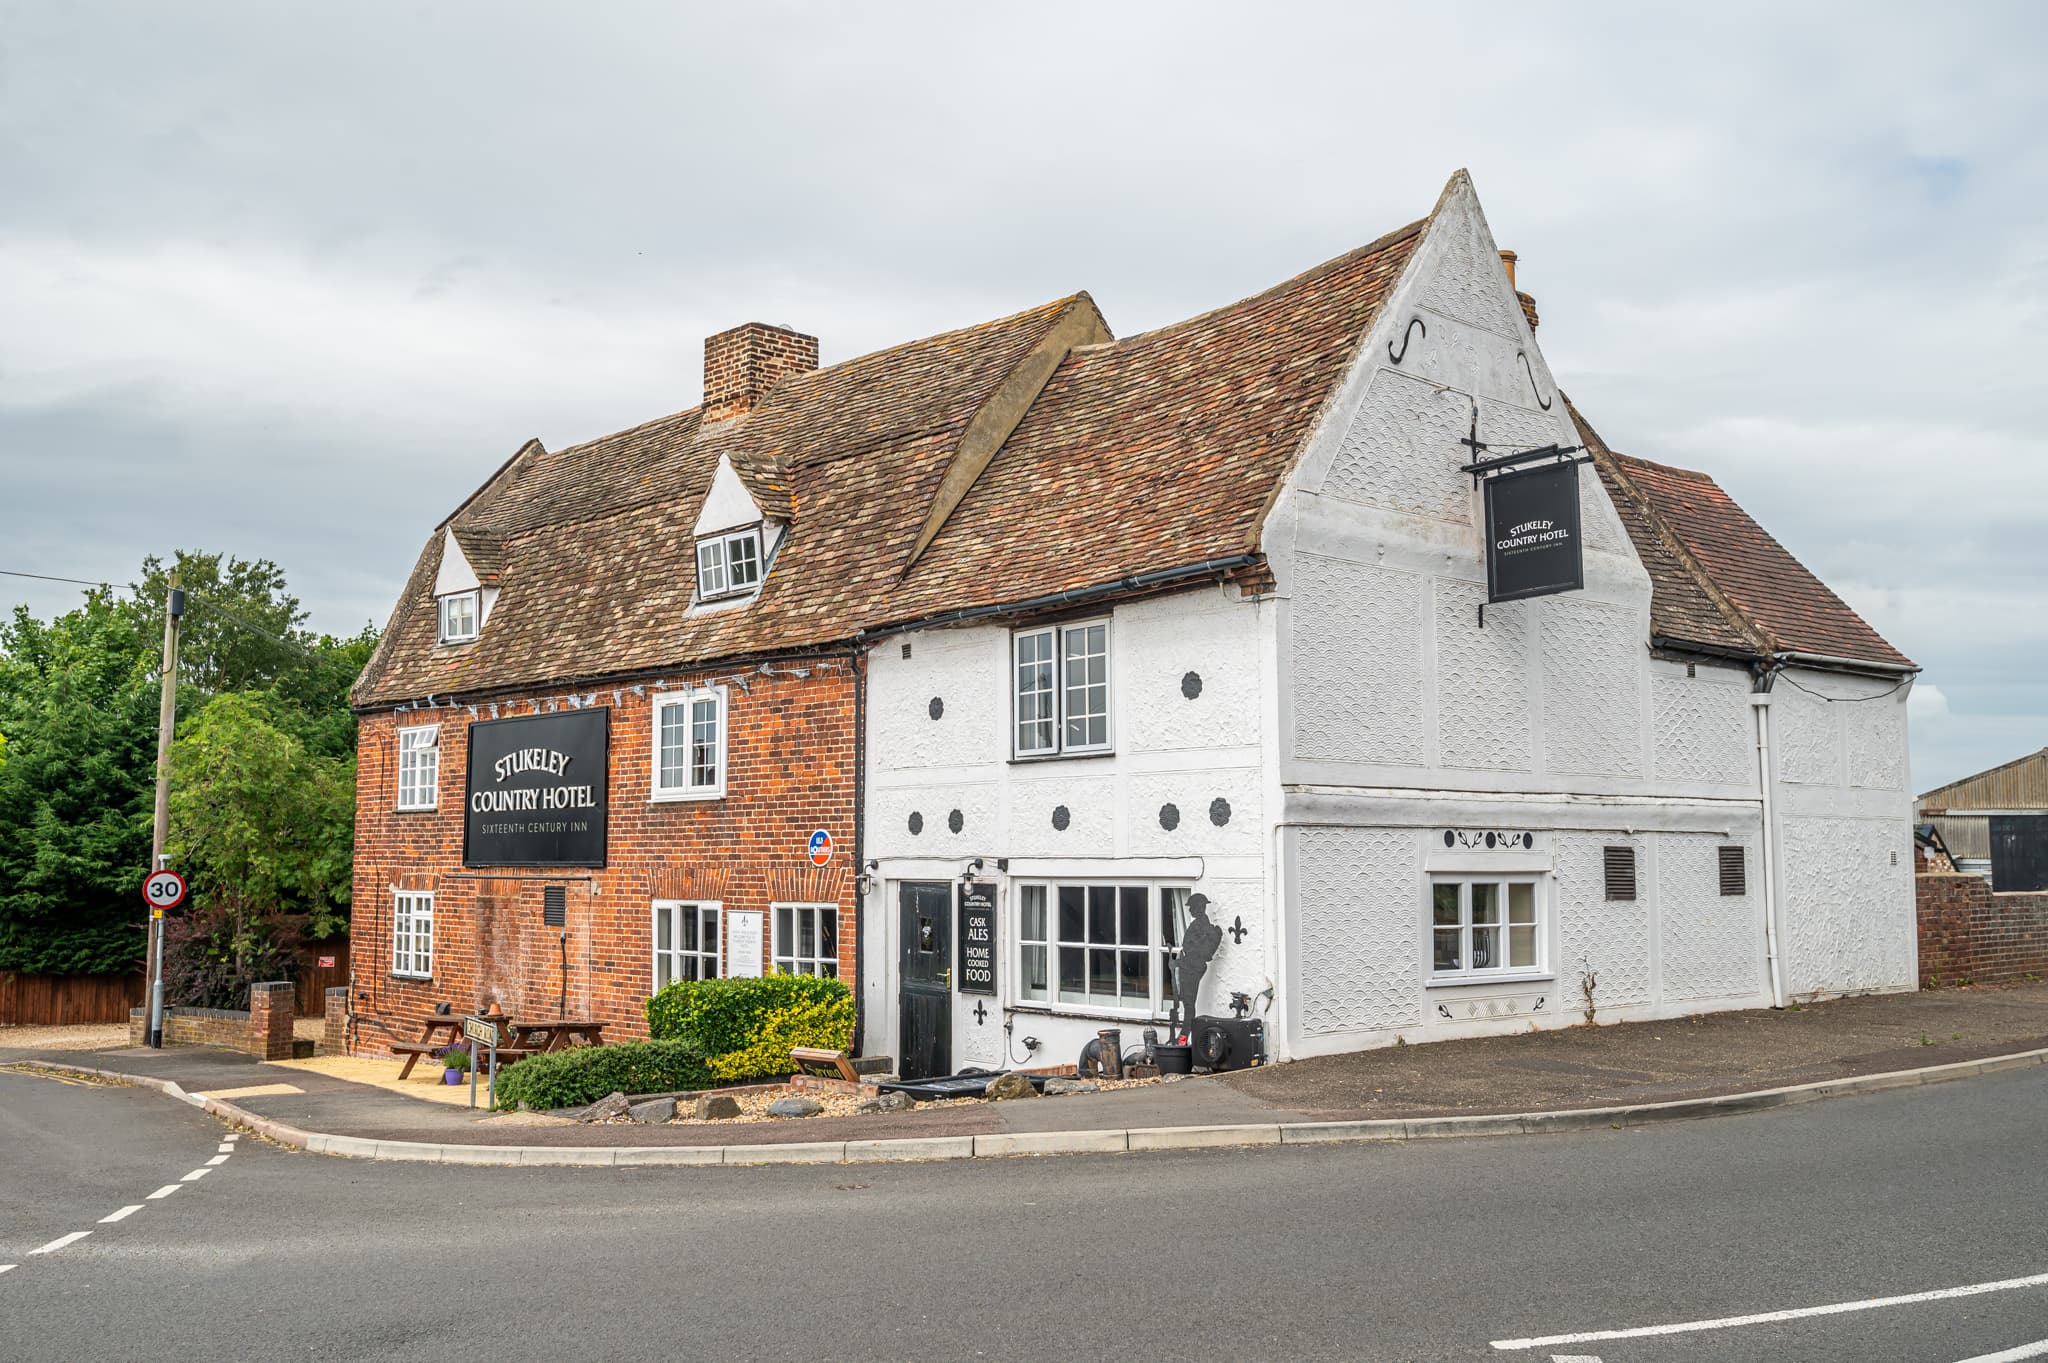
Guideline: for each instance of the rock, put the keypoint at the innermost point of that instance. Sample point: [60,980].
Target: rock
[1141,1071]
[606,1108]
[713,1107]
[653,1110]
[795,1106]
[1005,1086]
[1055,1088]
[888,1102]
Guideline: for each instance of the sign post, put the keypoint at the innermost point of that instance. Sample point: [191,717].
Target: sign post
[162,889]
[481,1032]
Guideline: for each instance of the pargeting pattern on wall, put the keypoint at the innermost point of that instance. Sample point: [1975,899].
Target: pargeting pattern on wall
[1806,732]
[1237,966]
[1360,912]
[1592,712]
[1482,683]
[1702,730]
[1877,742]
[1849,914]
[980,1043]
[1158,643]
[1091,817]
[962,671]
[1467,281]
[888,829]
[1610,938]
[1356,639]
[1401,451]
[1712,943]
[1193,794]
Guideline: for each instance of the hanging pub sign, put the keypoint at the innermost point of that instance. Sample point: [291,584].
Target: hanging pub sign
[536,793]
[1532,532]
[978,938]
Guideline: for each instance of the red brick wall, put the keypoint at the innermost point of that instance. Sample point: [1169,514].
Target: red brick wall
[789,770]
[1967,933]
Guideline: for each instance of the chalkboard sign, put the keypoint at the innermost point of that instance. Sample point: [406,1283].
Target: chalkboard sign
[1532,533]
[978,938]
[536,790]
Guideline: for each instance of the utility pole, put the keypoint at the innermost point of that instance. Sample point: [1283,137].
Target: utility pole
[166,722]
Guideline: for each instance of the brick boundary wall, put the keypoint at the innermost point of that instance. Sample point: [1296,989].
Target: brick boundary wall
[1968,934]
[334,1040]
[264,1031]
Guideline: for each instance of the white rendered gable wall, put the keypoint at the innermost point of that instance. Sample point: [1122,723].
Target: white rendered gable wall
[456,575]
[727,505]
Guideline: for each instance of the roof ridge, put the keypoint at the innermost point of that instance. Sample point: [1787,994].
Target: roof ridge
[1979,775]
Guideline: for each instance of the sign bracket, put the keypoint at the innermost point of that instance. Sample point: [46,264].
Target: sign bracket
[1480,468]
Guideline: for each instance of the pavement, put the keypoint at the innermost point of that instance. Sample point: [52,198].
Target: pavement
[1584,1076]
[1900,1225]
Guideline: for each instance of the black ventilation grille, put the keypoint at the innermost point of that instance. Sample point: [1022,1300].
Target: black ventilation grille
[1621,872]
[1734,871]
[554,906]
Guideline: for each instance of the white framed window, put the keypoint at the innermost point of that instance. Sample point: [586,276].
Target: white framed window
[685,941]
[807,939]
[1104,947]
[1481,927]
[461,616]
[729,564]
[412,935]
[419,766]
[1060,689]
[689,745]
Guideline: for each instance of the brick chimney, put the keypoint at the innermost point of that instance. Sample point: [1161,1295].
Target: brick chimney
[741,365]
[1508,258]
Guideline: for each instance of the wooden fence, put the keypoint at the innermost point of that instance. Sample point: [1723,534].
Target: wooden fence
[316,979]
[66,1000]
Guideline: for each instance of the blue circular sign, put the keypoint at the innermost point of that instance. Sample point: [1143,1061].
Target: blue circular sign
[821,847]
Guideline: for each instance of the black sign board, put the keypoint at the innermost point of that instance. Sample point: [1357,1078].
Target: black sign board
[1532,532]
[978,938]
[536,793]
[2019,852]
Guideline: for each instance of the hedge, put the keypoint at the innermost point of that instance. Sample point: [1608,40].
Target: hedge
[583,1074]
[723,1016]
[827,1023]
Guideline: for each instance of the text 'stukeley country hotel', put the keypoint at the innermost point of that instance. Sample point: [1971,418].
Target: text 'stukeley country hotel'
[1075,630]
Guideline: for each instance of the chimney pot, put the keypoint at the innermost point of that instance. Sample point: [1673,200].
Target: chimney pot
[1508,258]
[742,364]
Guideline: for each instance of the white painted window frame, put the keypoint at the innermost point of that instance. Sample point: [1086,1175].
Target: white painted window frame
[412,919]
[782,953]
[678,911]
[413,740]
[715,559]
[1060,747]
[1162,953]
[475,597]
[1492,974]
[719,697]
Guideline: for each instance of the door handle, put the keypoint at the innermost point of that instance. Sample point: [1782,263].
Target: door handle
[946,977]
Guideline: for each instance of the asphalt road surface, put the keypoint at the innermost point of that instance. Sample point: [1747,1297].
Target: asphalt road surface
[1513,1248]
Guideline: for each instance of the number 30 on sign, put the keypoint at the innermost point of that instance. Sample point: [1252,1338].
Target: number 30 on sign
[164,890]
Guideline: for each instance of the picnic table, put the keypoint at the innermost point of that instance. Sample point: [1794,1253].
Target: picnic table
[554,1034]
[432,1039]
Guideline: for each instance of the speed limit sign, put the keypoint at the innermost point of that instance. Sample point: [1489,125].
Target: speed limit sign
[164,890]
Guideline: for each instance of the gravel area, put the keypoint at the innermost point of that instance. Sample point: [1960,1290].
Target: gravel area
[754,1105]
[92,1036]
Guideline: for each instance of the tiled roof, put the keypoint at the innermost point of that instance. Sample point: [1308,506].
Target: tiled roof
[1154,452]
[1716,576]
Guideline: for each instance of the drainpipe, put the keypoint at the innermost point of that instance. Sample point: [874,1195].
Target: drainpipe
[856,659]
[1760,701]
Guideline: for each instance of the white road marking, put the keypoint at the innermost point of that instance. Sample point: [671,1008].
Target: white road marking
[195,1176]
[121,1215]
[217,1159]
[1772,1317]
[1574,1358]
[6,1268]
[2035,1350]
[165,1191]
[62,1241]
[232,1136]
[226,1148]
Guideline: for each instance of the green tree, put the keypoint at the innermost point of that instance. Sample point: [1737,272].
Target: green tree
[258,823]
[75,793]
[242,629]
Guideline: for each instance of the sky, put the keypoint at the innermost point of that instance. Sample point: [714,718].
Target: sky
[289,281]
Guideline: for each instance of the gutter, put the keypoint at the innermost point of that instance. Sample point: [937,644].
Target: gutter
[1828,660]
[1208,567]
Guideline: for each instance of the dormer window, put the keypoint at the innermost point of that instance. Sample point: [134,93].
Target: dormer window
[459,615]
[729,564]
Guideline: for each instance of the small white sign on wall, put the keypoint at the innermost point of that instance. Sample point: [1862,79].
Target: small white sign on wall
[743,943]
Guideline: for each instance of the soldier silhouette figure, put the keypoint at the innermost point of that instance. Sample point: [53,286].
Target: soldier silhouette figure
[1197,948]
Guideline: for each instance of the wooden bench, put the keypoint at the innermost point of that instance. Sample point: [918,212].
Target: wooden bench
[817,1060]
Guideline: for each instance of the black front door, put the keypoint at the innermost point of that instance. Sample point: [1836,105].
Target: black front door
[926,969]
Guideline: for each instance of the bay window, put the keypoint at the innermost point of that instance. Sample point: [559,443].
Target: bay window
[1482,926]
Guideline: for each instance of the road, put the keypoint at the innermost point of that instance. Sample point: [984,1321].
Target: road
[1410,1253]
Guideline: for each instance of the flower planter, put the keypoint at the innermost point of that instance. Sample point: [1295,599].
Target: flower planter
[452,1076]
